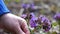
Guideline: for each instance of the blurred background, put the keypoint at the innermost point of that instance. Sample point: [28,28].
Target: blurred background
[45,7]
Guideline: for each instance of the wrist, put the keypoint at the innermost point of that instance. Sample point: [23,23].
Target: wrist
[4,16]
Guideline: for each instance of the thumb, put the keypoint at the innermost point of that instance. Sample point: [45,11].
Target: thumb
[24,26]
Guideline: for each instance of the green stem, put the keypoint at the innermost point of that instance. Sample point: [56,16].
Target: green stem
[59,25]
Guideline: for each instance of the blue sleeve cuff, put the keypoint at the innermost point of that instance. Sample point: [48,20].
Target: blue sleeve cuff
[3,8]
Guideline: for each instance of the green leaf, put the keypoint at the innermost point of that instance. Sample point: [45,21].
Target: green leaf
[54,32]
[17,0]
[31,31]
[39,27]
[59,22]
[54,24]
[48,33]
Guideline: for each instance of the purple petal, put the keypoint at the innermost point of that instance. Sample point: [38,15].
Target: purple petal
[24,16]
[32,22]
[57,16]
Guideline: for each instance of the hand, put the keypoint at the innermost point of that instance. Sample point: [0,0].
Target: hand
[14,24]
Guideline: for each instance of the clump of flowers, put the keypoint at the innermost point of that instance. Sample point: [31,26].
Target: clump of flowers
[46,24]
[41,20]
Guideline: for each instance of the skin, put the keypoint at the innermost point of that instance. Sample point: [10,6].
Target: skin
[14,24]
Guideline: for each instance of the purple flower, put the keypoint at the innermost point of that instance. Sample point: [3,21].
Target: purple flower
[24,16]
[32,6]
[31,15]
[25,5]
[33,20]
[46,22]
[57,16]
[42,18]
[46,28]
